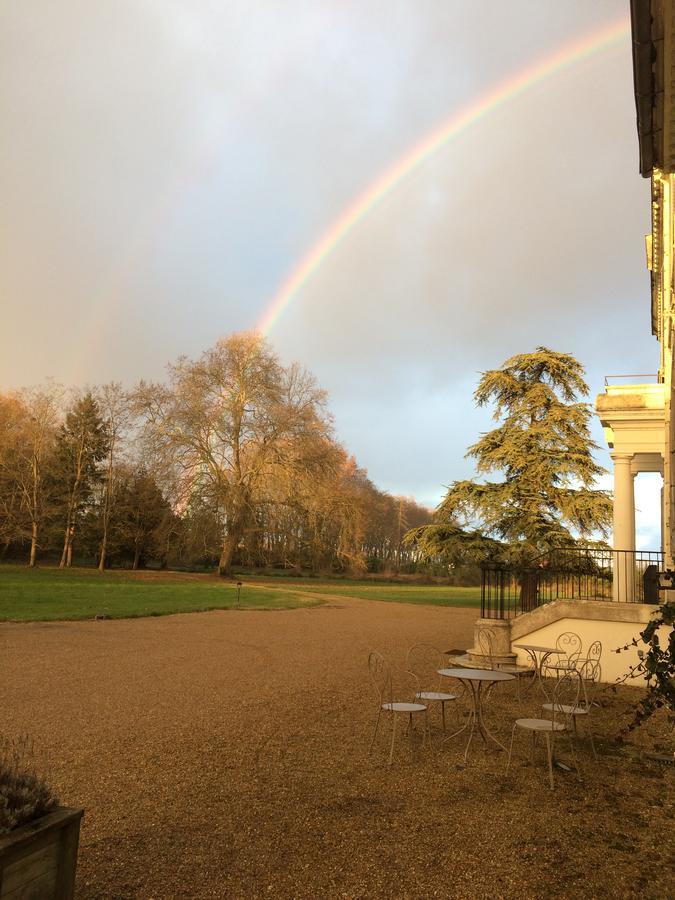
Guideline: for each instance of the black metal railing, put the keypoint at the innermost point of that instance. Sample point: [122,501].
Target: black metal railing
[633,378]
[576,573]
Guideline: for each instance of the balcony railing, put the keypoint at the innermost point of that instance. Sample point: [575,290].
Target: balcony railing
[650,378]
[577,573]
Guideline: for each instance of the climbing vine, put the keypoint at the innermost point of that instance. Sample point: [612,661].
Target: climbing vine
[656,664]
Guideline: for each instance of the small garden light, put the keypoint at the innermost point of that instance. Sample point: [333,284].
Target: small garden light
[239,584]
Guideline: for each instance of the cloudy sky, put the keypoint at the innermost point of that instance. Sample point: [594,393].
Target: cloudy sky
[165,164]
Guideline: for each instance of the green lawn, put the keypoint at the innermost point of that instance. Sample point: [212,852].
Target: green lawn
[436,595]
[46,594]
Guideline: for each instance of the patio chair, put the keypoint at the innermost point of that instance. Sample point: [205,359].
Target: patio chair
[568,652]
[423,662]
[565,700]
[485,646]
[589,674]
[381,676]
[485,642]
[593,654]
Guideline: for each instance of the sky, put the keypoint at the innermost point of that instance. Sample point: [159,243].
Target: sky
[167,164]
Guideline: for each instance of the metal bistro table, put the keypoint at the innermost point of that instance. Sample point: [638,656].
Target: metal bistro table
[539,655]
[477,682]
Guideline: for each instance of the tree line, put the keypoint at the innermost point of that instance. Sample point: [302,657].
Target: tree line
[232,461]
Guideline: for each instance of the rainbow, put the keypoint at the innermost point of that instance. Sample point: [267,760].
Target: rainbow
[566,56]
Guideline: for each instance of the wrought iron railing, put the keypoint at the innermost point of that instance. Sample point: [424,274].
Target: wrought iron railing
[576,573]
[633,378]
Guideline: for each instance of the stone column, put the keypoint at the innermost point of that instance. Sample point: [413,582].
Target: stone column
[624,527]
[633,542]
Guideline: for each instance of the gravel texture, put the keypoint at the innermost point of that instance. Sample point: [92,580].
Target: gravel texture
[224,754]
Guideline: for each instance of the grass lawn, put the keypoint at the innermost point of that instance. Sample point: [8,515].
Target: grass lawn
[48,594]
[435,595]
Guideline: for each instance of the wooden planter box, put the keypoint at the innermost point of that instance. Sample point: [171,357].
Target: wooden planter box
[37,861]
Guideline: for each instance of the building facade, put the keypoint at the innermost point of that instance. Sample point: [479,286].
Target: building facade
[638,416]
[653,23]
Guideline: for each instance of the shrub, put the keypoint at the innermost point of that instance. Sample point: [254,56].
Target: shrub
[657,665]
[23,795]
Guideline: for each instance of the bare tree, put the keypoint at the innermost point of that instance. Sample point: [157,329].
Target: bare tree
[14,417]
[232,420]
[34,447]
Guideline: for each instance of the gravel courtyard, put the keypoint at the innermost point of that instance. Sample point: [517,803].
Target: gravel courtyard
[224,754]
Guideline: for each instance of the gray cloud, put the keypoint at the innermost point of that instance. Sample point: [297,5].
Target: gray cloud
[166,163]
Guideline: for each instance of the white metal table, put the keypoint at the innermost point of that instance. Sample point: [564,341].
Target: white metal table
[539,655]
[477,682]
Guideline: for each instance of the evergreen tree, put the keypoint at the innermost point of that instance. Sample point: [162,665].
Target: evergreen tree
[543,448]
[115,407]
[140,519]
[81,445]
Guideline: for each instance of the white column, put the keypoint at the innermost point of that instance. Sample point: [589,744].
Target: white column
[624,502]
[624,527]
[633,543]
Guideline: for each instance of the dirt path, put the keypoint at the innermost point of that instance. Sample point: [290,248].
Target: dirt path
[224,754]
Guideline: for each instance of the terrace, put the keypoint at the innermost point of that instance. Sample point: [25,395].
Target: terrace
[577,573]
[599,593]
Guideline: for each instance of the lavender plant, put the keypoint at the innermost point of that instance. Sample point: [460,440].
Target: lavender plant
[24,796]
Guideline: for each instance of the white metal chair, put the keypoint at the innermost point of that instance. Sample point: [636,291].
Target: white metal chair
[381,676]
[485,642]
[589,674]
[593,654]
[565,700]
[568,652]
[423,662]
[485,646]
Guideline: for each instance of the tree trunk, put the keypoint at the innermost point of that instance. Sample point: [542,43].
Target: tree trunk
[67,539]
[229,546]
[70,521]
[64,552]
[107,498]
[33,545]
[235,532]
[529,591]
[137,558]
[101,560]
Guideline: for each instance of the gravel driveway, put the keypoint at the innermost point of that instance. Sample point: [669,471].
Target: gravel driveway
[224,754]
